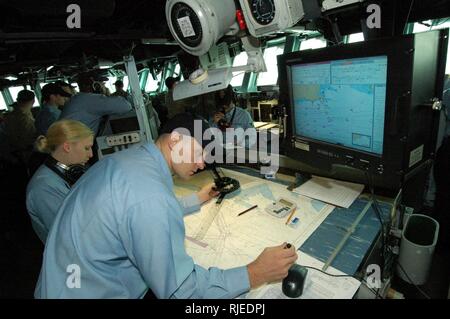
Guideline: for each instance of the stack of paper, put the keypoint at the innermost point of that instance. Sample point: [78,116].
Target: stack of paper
[330,191]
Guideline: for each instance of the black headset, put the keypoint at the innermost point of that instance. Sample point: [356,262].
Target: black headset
[97,87]
[69,173]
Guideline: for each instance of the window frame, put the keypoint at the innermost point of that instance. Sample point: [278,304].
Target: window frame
[253,84]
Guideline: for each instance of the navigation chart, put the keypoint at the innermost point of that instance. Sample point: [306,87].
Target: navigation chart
[342,102]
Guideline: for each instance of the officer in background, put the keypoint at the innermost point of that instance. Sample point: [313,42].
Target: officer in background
[69,145]
[92,106]
[54,97]
[119,90]
[230,116]
[18,128]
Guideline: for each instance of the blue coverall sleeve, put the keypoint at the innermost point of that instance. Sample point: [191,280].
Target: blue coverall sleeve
[155,245]
[108,105]
[43,122]
[43,206]
[190,203]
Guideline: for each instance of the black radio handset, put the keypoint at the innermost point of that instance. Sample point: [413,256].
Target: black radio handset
[223,123]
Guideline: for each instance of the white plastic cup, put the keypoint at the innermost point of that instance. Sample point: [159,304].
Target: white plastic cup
[419,238]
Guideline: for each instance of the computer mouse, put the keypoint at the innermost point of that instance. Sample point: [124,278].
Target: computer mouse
[293,284]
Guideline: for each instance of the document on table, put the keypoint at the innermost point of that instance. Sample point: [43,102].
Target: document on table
[330,191]
[217,237]
[317,285]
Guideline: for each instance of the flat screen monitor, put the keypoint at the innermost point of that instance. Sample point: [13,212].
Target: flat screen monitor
[341,102]
[364,105]
[124,125]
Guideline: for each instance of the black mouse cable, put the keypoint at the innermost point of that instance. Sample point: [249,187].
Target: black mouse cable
[412,282]
[378,213]
[326,273]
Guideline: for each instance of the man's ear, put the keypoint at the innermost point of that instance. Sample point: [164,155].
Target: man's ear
[67,147]
[175,137]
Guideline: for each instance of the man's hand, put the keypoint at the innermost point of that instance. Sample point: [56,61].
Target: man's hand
[218,116]
[271,265]
[207,192]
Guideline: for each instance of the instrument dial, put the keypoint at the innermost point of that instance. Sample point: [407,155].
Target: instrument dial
[263,11]
[187,24]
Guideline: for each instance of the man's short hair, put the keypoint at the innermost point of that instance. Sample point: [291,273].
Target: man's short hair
[25,96]
[229,96]
[119,83]
[64,84]
[170,81]
[53,89]
[86,80]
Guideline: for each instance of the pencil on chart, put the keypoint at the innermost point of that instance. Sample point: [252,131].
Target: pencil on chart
[247,210]
[290,216]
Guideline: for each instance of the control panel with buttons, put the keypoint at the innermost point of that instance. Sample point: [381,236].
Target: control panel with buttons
[123,139]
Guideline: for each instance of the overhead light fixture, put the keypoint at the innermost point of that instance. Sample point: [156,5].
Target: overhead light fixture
[50,67]
[158,41]
[11,78]
[105,64]
[206,81]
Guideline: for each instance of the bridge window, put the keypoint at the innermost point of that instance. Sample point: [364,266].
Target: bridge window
[3,105]
[270,57]
[355,37]
[314,43]
[126,83]
[14,90]
[152,85]
[177,70]
[238,77]
[75,86]
[110,84]
[36,101]
[435,25]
